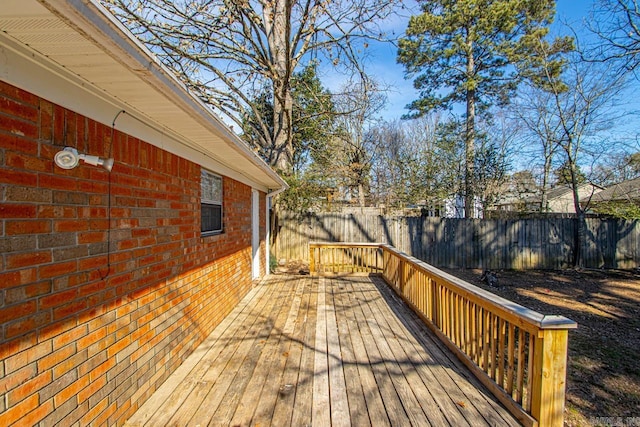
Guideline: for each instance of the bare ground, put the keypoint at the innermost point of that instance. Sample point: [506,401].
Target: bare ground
[603,378]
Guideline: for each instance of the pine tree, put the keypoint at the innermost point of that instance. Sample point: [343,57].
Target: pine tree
[460,52]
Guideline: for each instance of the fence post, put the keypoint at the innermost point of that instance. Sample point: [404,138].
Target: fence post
[549,374]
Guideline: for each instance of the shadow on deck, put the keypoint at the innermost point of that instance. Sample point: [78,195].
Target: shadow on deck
[320,351]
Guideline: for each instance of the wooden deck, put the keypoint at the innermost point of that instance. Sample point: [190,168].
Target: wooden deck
[302,351]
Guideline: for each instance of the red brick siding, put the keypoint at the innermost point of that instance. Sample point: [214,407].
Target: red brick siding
[78,346]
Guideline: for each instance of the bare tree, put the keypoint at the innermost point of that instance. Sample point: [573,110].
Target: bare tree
[437,164]
[588,108]
[618,168]
[357,109]
[541,132]
[228,51]
[400,171]
[493,159]
[580,107]
[617,25]
[417,162]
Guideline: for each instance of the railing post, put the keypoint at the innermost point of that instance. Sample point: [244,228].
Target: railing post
[384,265]
[549,374]
[312,260]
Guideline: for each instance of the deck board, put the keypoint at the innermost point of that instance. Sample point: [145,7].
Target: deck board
[358,414]
[308,351]
[462,387]
[283,411]
[340,416]
[302,408]
[383,370]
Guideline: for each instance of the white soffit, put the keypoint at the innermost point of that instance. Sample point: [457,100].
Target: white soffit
[80,42]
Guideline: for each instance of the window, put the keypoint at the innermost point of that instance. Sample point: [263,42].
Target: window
[211,203]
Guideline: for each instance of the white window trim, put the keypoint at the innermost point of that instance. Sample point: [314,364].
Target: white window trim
[211,199]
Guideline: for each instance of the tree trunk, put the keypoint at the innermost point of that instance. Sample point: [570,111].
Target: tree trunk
[282,152]
[545,183]
[470,137]
[276,16]
[581,229]
[361,198]
[581,238]
[469,146]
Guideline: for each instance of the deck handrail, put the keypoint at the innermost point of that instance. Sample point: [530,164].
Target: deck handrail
[518,353]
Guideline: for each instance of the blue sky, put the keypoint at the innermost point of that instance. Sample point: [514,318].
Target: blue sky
[623,136]
[572,9]
[383,64]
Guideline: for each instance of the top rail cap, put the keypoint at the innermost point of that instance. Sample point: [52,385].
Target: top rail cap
[557,322]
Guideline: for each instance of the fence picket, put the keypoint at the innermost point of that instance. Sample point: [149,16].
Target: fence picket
[494,244]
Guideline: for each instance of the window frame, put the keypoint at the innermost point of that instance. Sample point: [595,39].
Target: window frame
[208,201]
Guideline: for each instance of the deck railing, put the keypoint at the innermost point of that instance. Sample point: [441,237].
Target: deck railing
[345,258]
[518,353]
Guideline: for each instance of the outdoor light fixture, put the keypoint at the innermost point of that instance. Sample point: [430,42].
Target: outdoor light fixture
[69,158]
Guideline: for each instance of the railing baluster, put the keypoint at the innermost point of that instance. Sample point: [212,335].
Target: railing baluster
[520,371]
[494,345]
[462,324]
[530,360]
[454,319]
[455,300]
[486,342]
[473,351]
[479,335]
[501,349]
[446,315]
[510,358]
[465,326]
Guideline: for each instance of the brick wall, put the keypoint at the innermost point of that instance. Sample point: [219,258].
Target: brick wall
[81,342]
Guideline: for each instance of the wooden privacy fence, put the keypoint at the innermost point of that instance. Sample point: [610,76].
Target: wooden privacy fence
[547,243]
[519,354]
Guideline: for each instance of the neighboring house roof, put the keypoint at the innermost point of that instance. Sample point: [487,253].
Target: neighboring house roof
[626,190]
[76,54]
[559,198]
[519,198]
[561,191]
[534,198]
[558,191]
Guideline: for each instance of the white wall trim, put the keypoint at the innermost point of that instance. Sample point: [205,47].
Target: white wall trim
[255,234]
[267,239]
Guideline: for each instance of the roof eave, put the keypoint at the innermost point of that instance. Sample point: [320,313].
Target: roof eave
[88,15]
